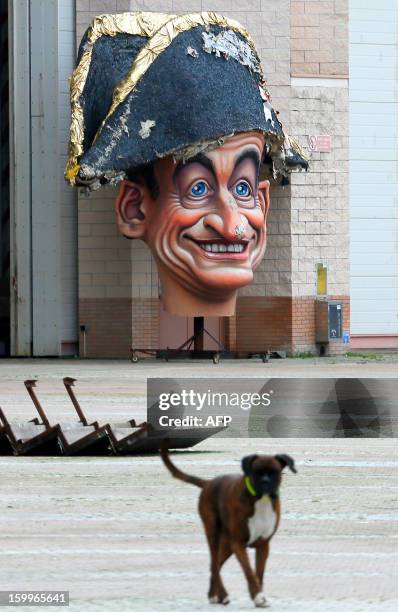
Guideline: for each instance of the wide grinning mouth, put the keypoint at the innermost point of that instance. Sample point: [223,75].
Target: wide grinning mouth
[221,245]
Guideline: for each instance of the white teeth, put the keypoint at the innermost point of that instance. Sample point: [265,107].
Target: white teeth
[222,248]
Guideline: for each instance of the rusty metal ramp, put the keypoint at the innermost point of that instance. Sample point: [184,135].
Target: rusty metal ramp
[29,438]
[41,438]
[6,448]
[151,440]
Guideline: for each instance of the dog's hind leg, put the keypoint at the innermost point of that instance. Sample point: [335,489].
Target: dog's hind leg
[217,592]
[224,550]
[224,553]
[252,581]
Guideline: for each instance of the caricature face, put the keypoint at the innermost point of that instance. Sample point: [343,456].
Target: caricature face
[206,229]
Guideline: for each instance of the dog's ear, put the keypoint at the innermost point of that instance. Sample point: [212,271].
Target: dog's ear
[247,463]
[286,460]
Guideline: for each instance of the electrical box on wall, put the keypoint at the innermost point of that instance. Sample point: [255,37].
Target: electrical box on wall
[328,321]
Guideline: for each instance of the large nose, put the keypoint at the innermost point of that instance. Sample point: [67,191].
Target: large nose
[227,219]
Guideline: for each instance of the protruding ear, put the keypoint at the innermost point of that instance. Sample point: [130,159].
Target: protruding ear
[263,196]
[286,460]
[129,210]
[247,463]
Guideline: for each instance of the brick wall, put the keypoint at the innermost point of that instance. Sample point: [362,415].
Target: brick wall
[271,317]
[319,203]
[319,198]
[105,273]
[104,255]
[284,323]
[108,326]
[303,325]
[230,333]
[307,222]
[145,323]
[319,36]
[274,274]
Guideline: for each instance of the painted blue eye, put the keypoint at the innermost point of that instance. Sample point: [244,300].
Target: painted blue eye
[199,189]
[242,189]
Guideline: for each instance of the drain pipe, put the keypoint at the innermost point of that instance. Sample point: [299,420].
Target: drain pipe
[84,330]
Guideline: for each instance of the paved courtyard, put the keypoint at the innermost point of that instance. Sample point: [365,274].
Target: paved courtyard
[120,534]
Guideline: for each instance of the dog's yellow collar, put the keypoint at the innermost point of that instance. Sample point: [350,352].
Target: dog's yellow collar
[252,490]
[250,487]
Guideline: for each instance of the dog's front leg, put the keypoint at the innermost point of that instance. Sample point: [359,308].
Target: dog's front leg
[262,552]
[252,581]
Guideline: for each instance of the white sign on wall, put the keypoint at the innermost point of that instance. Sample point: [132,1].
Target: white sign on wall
[322,143]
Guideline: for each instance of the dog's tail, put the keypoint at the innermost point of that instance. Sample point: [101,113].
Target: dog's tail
[164,453]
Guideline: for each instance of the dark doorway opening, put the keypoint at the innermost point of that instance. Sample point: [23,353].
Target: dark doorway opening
[4,186]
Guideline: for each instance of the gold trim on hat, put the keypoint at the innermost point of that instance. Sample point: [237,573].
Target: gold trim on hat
[161,29]
[296,147]
[139,24]
[159,42]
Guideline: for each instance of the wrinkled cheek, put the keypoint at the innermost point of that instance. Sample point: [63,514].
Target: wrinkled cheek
[256,218]
[166,233]
[185,218]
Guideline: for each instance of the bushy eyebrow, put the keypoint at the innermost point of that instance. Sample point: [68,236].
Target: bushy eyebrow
[249,154]
[200,158]
[205,161]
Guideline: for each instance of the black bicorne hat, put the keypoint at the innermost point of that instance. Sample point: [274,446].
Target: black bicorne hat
[148,85]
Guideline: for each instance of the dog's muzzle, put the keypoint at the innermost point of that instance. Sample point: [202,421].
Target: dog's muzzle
[266,485]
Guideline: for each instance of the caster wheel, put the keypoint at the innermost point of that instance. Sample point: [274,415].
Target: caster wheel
[134,358]
[216,358]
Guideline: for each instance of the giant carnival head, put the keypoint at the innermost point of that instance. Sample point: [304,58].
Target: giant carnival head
[176,111]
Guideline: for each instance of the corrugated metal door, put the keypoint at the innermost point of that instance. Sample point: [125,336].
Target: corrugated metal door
[43,210]
[4,186]
[374,167]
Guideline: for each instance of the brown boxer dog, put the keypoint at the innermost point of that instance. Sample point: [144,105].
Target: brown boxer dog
[239,512]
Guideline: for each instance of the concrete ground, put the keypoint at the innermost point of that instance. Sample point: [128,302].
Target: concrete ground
[120,534]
